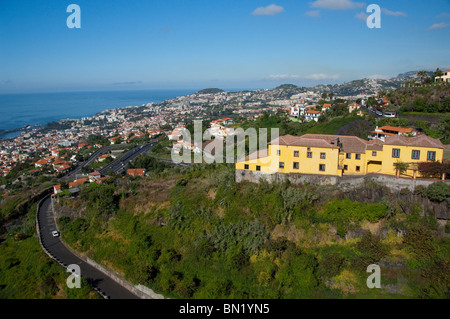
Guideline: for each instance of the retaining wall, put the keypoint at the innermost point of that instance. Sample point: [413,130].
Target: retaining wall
[391,182]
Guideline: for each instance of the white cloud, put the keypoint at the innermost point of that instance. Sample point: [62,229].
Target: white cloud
[321,76]
[361,16]
[336,4]
[443,15]
[270,10]
[438,26]
[313,13]
[393,13]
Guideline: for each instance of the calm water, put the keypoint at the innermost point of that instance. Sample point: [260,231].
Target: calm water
[17,110]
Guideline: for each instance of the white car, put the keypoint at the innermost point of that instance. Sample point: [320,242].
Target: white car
[55,233]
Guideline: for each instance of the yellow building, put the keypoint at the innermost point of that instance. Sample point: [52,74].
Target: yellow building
[342,155]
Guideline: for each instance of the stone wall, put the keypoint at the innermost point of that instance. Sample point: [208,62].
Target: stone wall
[352,183]
[391,182]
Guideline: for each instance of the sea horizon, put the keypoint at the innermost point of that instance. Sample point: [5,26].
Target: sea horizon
[21,109]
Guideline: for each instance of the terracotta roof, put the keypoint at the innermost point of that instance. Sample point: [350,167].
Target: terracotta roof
[350,144]
[253,156]
[375,145]
[419,141]
[397,129]
[77,182]
[136,171]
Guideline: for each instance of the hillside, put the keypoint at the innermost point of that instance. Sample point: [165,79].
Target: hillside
[195,233]
[210,91]
[427,99]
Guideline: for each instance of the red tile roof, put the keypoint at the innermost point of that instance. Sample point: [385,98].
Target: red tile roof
[78,182]
[136,171]
[400,130]
[420,141]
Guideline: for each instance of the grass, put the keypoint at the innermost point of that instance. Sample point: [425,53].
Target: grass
[333,126]
[421,113]
[26,272]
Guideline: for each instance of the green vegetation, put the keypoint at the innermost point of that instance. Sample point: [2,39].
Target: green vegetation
[98,139]
[210,91]
[195,233]
[26,272]
[333,125]
[437,192]
[427,99]
[96,165]
[57,126]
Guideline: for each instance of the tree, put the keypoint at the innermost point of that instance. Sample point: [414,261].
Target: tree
[401,167]
[422,75]
[324,95]
[371,101]
[438,73]
[438,191]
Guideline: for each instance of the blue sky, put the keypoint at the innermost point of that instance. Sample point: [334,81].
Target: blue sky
[214,43]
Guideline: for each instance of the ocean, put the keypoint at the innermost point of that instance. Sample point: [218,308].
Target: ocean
[17,110]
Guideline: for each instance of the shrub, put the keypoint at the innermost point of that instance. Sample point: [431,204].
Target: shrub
[421,190]
[438,191]
[419,239]
[432,169]
[371,247]
[330,265]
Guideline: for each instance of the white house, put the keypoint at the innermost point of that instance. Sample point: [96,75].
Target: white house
[444,78]
[312,115]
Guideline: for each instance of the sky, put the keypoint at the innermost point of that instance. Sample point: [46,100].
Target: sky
[247,44]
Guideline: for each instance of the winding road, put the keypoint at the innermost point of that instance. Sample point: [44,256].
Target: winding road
[56,248]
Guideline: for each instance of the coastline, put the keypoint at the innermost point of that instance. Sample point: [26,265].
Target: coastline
[56,106]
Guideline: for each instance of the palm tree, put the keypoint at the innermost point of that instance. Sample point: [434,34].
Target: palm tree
[330,95]
[437,73]
[422,74]
[324,95]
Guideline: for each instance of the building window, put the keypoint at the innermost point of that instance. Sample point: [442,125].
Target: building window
[322,155]
[395,152]
[322,167]
[415,155]
[358,168]
[278,152]
[358,156]
[246,166]
[296,165]
[431,156]
[374,153]
[296,154]
[349,155]
[309,154]
[345,167]
[281,164]
[258,168]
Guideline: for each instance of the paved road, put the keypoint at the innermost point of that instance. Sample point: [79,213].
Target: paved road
[118,165]
[54,245]
[77,171]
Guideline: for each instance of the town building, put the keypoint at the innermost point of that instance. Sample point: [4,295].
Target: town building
[137,172]
[444,78]
[382,132]
[342,155]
